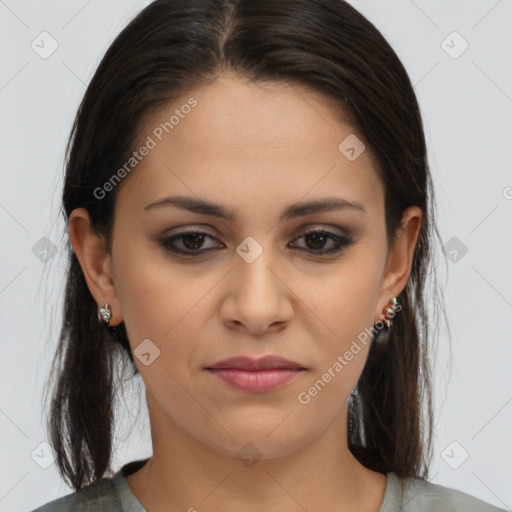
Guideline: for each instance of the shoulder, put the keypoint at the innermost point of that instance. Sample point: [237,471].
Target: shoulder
[99,496]
[420,495]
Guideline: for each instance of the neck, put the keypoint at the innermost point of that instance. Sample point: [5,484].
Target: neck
[184,474]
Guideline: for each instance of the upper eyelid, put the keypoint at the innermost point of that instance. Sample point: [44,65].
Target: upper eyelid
[338,230]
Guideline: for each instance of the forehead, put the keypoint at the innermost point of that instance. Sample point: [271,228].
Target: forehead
[243,141]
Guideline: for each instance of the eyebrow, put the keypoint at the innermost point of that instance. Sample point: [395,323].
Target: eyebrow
[292,211]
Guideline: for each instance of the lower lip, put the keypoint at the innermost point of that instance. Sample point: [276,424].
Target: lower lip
[255,381]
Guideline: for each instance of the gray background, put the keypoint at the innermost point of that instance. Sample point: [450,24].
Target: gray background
[466,101]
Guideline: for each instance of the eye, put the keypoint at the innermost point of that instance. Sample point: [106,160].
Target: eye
[191,242]
[317,239]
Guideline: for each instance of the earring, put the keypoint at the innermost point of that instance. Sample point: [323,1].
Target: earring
[390,311]
[104,314]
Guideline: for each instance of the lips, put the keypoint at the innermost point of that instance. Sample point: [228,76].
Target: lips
[253,375]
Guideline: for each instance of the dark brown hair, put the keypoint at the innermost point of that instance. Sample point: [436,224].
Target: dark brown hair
[327,46]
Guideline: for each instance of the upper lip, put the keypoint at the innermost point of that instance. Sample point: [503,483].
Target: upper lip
[269,362]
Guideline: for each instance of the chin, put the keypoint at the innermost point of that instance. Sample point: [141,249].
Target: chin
[265,442]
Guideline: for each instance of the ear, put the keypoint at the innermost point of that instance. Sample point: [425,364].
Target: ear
[399,262]
[96,262]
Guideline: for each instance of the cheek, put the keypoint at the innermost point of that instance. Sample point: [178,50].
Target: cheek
[347,308]
[154,294]
[346,300]
[165,303]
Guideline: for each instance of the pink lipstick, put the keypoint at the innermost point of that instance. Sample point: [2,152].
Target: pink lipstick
[256,375]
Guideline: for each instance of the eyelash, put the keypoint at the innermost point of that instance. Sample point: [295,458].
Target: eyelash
[342,242]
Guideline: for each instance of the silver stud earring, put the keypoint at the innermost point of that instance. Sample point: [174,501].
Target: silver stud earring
[104,314]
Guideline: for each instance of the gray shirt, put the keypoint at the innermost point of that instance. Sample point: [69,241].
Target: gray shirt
[416,495]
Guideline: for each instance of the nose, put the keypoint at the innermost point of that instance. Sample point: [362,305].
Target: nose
[257,297]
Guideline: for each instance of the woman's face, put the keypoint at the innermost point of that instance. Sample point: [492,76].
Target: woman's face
[257,283]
